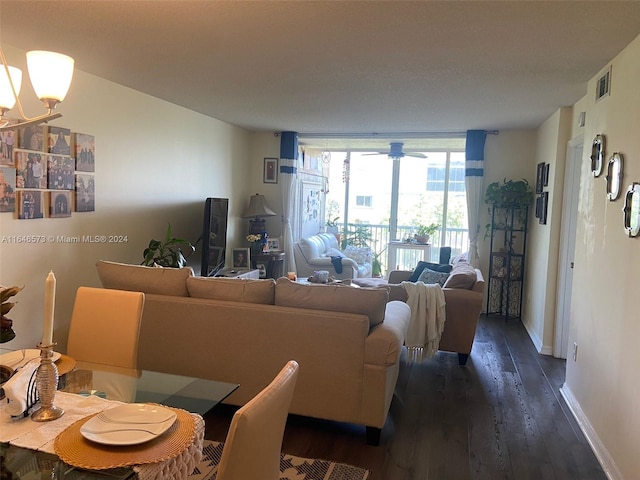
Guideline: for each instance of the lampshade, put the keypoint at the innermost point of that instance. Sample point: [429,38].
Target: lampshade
[50,75]
[258,208]
[7,98]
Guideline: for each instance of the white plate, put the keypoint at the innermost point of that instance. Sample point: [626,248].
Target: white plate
[14,359]
[129,424]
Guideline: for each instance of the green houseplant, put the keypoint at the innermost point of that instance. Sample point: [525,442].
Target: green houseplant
[6,325]
[509,193]
[167,253]
[424,232]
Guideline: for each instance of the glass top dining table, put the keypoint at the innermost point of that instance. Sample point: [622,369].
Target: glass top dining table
[195,395]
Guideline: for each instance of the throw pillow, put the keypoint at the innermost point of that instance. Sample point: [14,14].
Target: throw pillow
[139,278]
[233,289]
[463,275]
[360,255]
[436,267]
[334,298]
[432,277]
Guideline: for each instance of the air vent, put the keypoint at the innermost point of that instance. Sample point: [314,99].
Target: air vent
[603,85]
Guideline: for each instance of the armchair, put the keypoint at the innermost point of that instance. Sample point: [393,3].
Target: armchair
[315,252]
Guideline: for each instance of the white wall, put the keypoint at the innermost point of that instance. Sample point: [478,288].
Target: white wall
[544,239]
[155,163]
[603,384]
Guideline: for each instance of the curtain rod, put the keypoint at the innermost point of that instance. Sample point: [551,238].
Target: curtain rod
[389,134]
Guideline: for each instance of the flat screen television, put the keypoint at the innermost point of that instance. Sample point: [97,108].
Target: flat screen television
[214,236]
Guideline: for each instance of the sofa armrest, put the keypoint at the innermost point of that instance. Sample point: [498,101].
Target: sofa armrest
[463,310]
[399,276]
[384,342]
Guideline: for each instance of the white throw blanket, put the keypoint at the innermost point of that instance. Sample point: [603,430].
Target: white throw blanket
[428,315]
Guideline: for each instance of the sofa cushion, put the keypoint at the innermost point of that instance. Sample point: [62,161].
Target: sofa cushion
[463,275]
[233,289]
[360,255]
[139,278]
[335,298]
[396,292]
[436,267]
[432,277]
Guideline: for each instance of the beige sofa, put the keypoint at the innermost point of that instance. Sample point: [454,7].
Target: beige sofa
[463,294]
[244,331]
[315,253]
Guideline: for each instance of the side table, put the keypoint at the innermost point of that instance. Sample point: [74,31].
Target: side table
[269,264]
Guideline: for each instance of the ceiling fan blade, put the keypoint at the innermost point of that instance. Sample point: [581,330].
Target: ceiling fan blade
[415,154]
[376,153]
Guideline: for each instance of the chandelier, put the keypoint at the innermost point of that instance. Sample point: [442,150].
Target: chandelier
[50,74]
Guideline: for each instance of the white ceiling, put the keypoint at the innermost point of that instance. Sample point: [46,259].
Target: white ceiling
[339,66]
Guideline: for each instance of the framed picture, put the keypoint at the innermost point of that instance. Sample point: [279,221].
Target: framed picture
[240,257]
[85,193]
[30,204]
[7,189]
[539,177]
[84,151]
[273,245]
[59,204]
[270,170]
[7,142]
[544,201]
[545,176]
[60,172]
[31,170]
[262,269]
[58,140]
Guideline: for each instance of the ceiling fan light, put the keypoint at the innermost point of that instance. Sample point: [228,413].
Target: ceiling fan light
[50,75]
[7,98]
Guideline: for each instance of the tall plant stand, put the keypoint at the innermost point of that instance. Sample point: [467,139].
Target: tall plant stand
[505,287]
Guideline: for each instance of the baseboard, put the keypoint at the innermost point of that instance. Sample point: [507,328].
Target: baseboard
[537,341]
[606,462]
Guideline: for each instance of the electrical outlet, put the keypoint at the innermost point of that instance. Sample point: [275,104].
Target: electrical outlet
[575,351]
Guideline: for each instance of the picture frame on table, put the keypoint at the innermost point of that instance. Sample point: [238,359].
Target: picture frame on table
[273,245]
[240,257]
[262,269]
[270,170]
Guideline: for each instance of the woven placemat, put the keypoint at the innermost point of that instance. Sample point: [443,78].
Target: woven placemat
[74,449]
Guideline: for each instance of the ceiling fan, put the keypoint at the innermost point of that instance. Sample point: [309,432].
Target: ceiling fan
[396,152]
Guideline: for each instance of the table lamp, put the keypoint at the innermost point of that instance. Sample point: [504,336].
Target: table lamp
[257,209]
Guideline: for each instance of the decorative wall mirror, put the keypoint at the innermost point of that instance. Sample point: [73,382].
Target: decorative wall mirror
[632,210]
[614,176]
[597,155]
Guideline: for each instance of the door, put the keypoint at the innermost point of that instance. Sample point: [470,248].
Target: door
[567,246]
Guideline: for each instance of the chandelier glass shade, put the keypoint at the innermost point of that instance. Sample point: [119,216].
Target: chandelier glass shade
[50,74]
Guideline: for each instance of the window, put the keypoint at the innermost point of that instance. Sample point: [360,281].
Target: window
[364,201]
[393,196]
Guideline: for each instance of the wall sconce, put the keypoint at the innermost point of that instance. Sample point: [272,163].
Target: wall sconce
[50,75]
[257,210]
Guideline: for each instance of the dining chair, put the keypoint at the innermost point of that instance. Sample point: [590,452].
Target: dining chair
[105,325]
[253,444]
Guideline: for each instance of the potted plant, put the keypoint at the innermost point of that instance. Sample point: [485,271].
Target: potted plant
[167,253]
[509,193]
[6,324]
[376,265]
[424,232]
[332,225]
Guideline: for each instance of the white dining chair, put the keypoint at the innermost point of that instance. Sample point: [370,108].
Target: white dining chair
[105,325]
[254,441]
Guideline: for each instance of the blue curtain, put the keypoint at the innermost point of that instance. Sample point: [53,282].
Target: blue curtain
[474,177]
[289,185]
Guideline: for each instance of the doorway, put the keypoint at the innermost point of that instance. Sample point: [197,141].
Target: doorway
[567,246]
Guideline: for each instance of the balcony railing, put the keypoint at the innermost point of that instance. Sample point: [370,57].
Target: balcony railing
[456,238]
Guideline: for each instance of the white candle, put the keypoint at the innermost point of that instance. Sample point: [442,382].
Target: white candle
[49,306]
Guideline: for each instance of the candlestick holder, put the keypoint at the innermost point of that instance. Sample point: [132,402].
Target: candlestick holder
[47,384]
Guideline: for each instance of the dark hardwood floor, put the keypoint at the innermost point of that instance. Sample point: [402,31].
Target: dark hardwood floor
[500,417]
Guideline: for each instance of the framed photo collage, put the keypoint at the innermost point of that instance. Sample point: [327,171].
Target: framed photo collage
[46,171]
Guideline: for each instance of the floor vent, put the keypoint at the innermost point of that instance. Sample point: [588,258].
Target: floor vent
[603,86]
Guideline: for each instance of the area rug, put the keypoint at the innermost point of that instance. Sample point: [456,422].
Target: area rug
[291,468]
